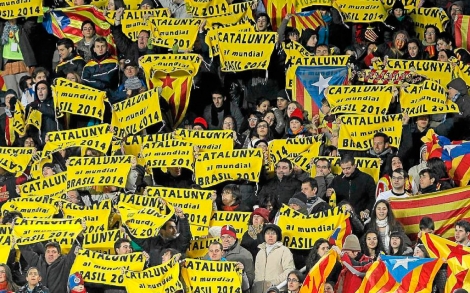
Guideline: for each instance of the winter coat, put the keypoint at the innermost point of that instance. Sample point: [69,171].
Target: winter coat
[349,282]
[251,244]
[38,289]
[102,73]
[238,253]
[49,121]
[284,188]
[323,184]
[394,25]
[272,269]
[232,109]
[54,276]
[358,189]
[74,63]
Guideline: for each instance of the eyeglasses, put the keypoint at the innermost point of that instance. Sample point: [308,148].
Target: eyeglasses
[262,126]
[430,34]
[252,119]
[397,178]
[292,280]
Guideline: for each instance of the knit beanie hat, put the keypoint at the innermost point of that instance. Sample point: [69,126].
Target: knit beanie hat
[228,230]
[282,95]
[297,114]
[398,4]
[262,212]
[299,199]
[352,243]
[201,122]
[148,2]
[458,84]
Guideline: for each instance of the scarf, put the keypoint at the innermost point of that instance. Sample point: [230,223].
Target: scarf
[401,18]
[299,131]
[215,112]
[253,231]
[6,32]
[230,208]
[132,83]
[385,235]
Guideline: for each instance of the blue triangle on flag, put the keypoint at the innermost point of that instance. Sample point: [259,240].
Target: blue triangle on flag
[336,233]
[400,266]
[62,19]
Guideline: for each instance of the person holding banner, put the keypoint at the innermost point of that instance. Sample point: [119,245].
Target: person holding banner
[70,61]
[284,185]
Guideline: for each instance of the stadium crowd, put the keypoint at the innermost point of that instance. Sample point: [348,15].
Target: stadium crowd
[258,108]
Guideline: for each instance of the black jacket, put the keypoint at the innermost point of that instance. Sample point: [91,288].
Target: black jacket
[284,189]
[49,120]
[101,73]
[358,189]
[393,25]
[74,63]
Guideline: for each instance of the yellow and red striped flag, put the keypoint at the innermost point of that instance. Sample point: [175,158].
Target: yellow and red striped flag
[458,260]
[445,208]
[315,280]
[307,19]
[462,33]
[277,10]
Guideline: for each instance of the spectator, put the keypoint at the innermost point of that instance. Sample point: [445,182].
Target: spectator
[371,245]
[462,231]
[34,282]
[6,120]
[439,168]
[399,179]
[132,86]
[319,249]
[76,284]
[232,199]
[398,246]
[284,185]
[296,127]
[6,280]
[84,46]
[398,20]
[220,108]
[70,61]
[294,281]
[457,91]
[253,236]
[323,177]
[298,202]
[427,181]
[200,124]
[314,203]
[420,251]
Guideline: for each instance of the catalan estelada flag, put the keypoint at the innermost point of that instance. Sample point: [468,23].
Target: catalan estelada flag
[315,280]
[277,10]
[444,207]
[462,33]
[400,274]
[311,82]
[340,233]
[308,19]
[458,260]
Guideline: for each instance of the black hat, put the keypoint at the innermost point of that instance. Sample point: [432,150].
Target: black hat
[282,95]
[299,199]
[398,4]
[275,228]
[130,62]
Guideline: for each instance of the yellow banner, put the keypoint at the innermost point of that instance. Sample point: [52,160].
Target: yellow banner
[369,166]
[135,114]
[212,39]
[96,216]
[202,8]
[292,147]
[239,220]
[300,4]
[64,238]
[98,171]
[427,16]
[15,160]
[5,247]
[426,99]
[174,32]
[132,4]
[133,21]
[357,132]
[50,186]
[162,278]
[102,242]
[34,119]
[19,125]
[170,153]
[295,50]
[211,276]
[170,63]
[83,102]
[435,70]
[215,167]
[238,13]
[30,226]
[200,247]
[301,232]
[106,269]
[10,9]
[359,99]
[207,140]
[237,54]
[361,11]
[133,144]
[32,207]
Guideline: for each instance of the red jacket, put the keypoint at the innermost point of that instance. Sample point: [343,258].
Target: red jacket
[349,282]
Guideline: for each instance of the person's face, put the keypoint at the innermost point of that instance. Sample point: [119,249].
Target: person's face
[395,242]
[352,254]
[329,288]
[215,253]
[442,45]
[291,109]
[33,277]
[29,142]
[425,180]
[262,129]
[72,77]
[281,103]
[322,167]
[442,56]
[174,171]
[325,108]
[262,24]
[413,49]
[47,172]
[78,2]
[63,51]
[142,40]
[460,234]
[258,220]
[293,283]
[396,163]
[72,196]
[430,35]
[125,248]
[323,249]
[40,76]
[51,254]
[262,146]
[88,31]
[282,170]
[100,48]
[130,71]
[270,237]
[252,121]
[3,274]
[348,169]
[228,124]
[422,122]
[111,5]
[308,190]
[170,230]
[263,107]
[400,41]
[451,92]
[295,124]
[294,37]
[312,42]
[227,241]
[294,206]
[166,257]
[321,51]
[197,127]
[418,252]
[381,211]
[227,198]
[379,144]
[218,100]
[398,181]
[455,10]
[371,240]
[269,117]
[398,12]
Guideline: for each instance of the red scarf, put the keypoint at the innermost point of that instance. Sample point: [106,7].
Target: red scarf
[230,208]
[4,286]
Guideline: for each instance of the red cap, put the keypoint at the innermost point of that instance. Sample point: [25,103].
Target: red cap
[297,114]
[262,212]
[228,230]
[201,121]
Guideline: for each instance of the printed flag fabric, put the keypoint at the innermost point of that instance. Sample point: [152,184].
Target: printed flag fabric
[400,274]
[315,280]
[312,81]
[458,260]
[462,36]
[445,208]
[277,10]
[308,19]
[339,235]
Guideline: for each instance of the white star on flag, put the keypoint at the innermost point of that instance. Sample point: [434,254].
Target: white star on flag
[403,263]
[322,83]
[59,20]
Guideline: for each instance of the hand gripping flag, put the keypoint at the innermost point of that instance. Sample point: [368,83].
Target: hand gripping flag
[315,280]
